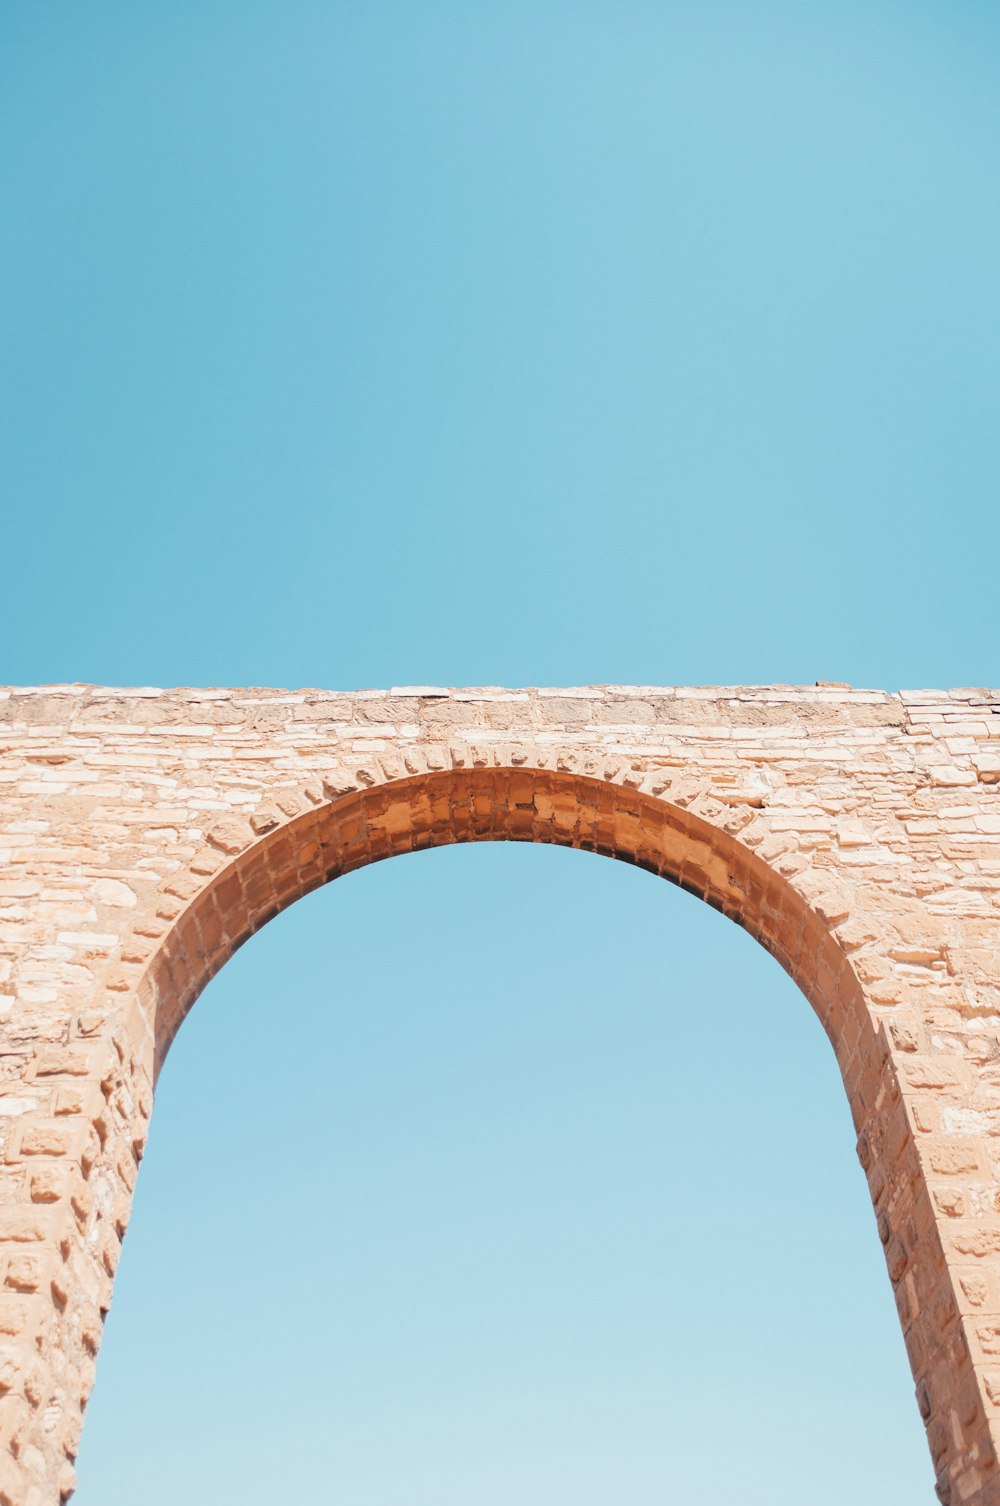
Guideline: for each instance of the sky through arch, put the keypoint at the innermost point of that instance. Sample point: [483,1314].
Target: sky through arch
[552,1193]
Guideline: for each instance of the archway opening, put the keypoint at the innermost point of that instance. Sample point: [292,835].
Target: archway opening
[660,1402]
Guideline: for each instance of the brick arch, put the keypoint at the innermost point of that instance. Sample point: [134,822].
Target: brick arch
[250,870]
[247,872]
[357,823]
[148,832]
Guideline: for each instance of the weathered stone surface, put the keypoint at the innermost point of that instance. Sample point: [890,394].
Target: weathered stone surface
[145,833]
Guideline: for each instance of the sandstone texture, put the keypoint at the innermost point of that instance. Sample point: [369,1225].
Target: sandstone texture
[145,833]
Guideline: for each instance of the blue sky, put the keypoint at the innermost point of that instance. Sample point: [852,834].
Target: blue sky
[354,345]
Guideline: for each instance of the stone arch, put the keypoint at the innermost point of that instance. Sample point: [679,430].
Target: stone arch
[247,872]
[819,830]
[262,866]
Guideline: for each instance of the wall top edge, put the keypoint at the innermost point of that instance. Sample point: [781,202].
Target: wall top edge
[820,691]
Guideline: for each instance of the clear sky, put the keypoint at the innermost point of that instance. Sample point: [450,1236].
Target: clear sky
[377,343]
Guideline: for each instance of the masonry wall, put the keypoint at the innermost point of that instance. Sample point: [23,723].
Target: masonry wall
[144,833]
